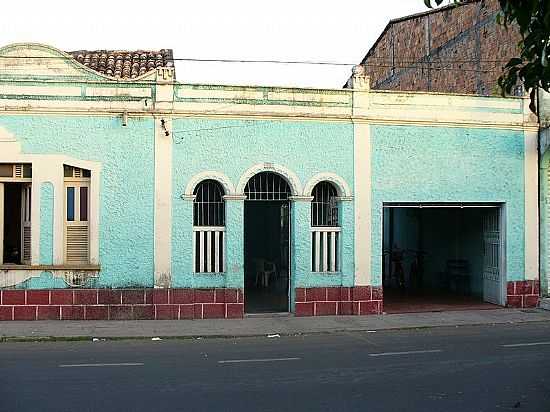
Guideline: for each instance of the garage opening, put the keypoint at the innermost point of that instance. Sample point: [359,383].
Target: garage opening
[442,257]
[266,244]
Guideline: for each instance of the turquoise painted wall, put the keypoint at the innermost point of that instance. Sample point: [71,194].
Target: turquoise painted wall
[127,184]
[439,164]
[46,223]
[233,146]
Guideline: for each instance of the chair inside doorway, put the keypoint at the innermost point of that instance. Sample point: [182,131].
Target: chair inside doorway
[266,236]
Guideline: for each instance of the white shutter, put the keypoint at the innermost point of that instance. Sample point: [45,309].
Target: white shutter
[18,170]
[324,248]
[77,235]
[77,246]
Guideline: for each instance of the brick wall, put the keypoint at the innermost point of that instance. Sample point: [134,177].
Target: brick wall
[120,304]
[453,50]
[523,294]
[323,301]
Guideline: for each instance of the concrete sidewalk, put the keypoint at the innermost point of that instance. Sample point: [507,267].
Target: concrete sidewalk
[258,326]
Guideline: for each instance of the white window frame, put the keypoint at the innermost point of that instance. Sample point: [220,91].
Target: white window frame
[326,240]
[77,183]
[211,239]
[26,209]
[210,234]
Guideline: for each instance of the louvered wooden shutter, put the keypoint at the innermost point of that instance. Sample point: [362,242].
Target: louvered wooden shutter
[26,223]
[77,244]
[77,236]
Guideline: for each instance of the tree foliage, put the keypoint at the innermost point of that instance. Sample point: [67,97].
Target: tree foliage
[532,67]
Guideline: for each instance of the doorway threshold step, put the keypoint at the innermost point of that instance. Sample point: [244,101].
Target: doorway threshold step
[267,315]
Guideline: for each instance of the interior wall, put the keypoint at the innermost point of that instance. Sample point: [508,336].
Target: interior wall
[443,234]
[453,234]
[12,223]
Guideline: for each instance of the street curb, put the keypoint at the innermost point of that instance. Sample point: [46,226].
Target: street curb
[86,338]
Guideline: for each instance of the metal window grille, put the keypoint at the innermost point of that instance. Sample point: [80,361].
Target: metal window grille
[325,232]
[209,206]
[267,186]
[209,227]
[324,206]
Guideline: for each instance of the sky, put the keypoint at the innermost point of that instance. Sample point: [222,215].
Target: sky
[336,31]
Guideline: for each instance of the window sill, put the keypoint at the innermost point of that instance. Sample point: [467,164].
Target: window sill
[208,273]
[327,273]
[68,267]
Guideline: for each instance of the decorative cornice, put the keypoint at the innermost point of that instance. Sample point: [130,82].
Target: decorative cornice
[25,110]
[345,198]
[219,177]
[300,198]
[188,197]
[234,197]
[341,185]
[291,177]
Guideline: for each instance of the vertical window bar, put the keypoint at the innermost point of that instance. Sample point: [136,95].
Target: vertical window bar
[317,251]
[325,251]
[313,251]
[333,251]
[217,251]
[201,250]
[222,251]
[336,249]
[209,251]
[195,252]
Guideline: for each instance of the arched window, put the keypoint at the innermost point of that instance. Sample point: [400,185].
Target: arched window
[324,206]
[325,228]
[267,186]
[209,227]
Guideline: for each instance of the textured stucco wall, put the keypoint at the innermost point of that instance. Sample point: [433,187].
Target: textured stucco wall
[545,221]
[438,164]
[231,147]
[127,184]
[46,223]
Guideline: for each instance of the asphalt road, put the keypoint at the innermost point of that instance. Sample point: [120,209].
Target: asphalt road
[484,368]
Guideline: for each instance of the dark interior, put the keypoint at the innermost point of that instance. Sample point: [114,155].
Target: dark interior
[433,259]
[12,223]
[266,238]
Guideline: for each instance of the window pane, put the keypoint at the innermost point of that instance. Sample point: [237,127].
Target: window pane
[83,204]
[27,170]
[67,171]
[70,204]
[86,173]
[6,170]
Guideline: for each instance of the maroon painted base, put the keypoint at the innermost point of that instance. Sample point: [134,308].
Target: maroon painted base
[523,294]
[120,304]
[358,300]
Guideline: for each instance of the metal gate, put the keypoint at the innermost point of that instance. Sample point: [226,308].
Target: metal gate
[492,257]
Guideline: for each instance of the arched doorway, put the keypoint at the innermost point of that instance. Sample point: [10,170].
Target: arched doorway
[267,243]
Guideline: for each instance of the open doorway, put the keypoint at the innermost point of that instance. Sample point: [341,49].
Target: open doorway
[266,244]
[16,223]
[442,257]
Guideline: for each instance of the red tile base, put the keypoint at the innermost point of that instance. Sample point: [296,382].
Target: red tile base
[120,304]
[523,294]
[329,301]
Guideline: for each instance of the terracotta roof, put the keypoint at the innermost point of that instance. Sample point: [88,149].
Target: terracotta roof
[124,64]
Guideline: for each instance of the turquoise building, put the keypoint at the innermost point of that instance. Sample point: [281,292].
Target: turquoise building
[127,194]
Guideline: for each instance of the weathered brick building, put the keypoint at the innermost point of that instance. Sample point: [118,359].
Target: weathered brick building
[453,49]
